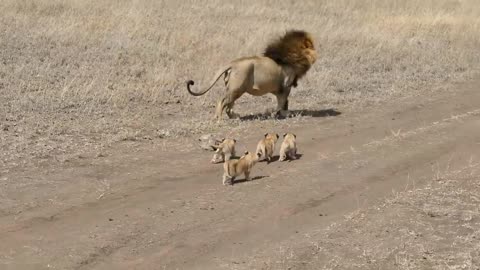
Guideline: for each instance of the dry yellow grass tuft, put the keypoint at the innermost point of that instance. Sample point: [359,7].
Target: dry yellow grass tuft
[76,74]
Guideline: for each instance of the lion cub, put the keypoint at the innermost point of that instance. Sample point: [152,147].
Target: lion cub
[289,147]
[224,151]
[266,146]
[235,167]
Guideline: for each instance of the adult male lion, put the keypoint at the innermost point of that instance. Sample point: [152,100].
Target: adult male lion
[284,61]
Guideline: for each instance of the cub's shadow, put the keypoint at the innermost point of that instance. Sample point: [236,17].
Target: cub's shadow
[239,181]
[277,158]
[274,159]
[292,113]
[298,156]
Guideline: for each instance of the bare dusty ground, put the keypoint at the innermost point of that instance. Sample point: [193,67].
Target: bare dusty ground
[390,187]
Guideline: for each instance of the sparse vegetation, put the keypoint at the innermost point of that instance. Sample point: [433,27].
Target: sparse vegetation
[105,71]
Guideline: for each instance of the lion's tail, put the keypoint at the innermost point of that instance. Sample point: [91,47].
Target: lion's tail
[222,72]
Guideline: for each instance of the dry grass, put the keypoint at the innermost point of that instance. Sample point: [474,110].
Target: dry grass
[82,74]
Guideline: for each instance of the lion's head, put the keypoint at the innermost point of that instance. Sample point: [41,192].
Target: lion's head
[295,49]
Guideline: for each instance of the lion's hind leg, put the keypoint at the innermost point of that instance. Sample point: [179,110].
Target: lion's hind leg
[247,175]
[230,112]
[261,151]
[226,103]
[228,180]
[220,108]
[239,81]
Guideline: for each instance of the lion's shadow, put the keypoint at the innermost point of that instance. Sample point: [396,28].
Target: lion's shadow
[292,113]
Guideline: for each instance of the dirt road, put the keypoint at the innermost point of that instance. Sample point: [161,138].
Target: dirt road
[164,207]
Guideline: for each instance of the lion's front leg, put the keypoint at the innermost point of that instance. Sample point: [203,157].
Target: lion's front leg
[285,105]
[282,102]
[294,82]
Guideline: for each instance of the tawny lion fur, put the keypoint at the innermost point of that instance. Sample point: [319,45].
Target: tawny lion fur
[288,149]
[235,167]
[224,151]
[266,146]
[283,63]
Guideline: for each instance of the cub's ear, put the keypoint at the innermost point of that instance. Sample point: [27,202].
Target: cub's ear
[222,139]
[234,140]
[265,135]
[276,135]
[294,135]
[246,153]
[284,134]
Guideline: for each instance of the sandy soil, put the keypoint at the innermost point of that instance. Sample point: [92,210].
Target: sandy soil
[151,206]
